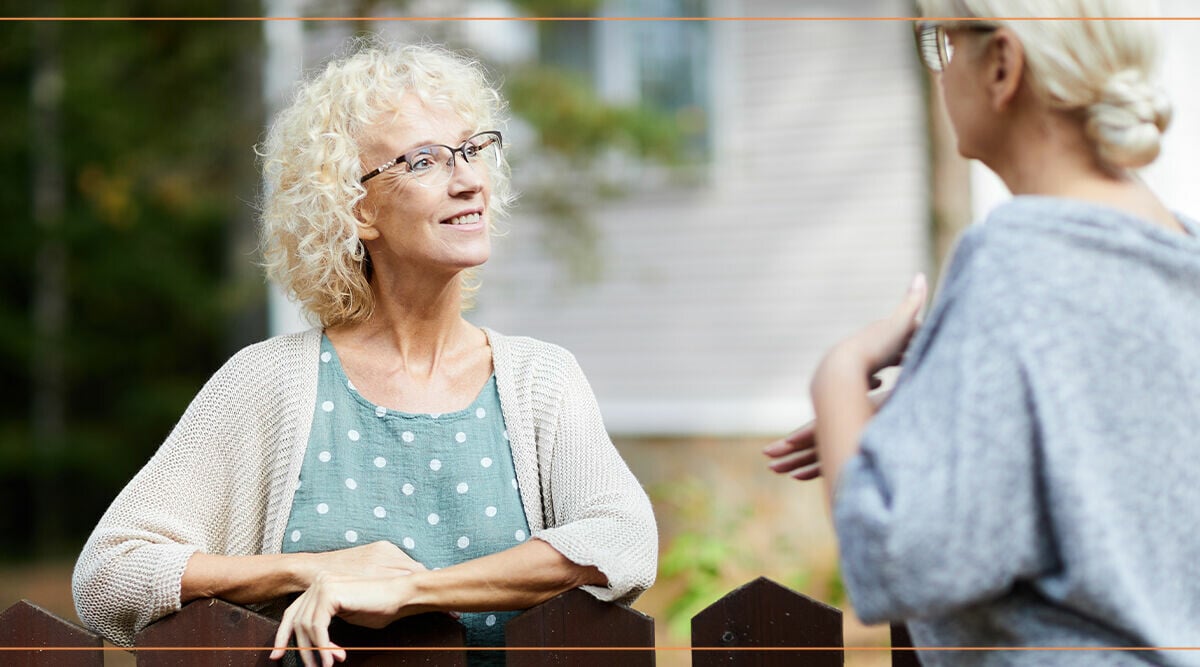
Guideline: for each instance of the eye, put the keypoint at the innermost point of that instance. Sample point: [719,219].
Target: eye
[420,160]
[470,150]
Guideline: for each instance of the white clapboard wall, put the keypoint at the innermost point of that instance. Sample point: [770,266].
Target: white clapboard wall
[717,300]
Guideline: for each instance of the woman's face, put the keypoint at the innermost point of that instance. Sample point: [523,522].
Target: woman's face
[411,229]
[963,90]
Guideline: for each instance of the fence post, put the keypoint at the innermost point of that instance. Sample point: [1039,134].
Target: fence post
[26,624]
[208,623]
[901,639]
[436,631]
[763,614]
[576,619]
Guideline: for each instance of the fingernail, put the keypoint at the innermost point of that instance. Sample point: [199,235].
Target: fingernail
[917,283]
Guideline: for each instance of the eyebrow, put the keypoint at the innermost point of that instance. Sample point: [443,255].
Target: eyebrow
[467,134]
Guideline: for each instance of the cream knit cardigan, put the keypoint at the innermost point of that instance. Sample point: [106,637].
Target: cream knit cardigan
[224,480]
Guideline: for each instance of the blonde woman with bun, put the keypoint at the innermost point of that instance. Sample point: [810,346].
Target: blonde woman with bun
[1032,481]
[395,459]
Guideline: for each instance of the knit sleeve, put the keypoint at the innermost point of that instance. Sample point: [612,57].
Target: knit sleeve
[600,515]
[941,508]
[201,491]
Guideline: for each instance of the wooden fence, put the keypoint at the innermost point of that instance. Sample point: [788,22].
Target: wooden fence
[572,629]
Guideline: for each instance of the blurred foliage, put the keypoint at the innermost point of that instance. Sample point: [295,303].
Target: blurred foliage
[704,557]
[151,124]
[713,550]
[574,121]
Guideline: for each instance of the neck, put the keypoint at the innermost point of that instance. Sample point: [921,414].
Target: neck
[1048,154]
[416,322]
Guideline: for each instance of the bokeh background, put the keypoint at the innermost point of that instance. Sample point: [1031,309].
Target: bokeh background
[706,206]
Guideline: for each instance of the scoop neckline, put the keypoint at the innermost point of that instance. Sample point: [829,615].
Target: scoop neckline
[347,386]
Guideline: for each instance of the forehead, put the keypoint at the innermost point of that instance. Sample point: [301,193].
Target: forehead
[415,122]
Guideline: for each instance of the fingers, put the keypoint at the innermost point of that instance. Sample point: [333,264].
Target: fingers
[806,458]
[284,632]
[809,473]
[308,618]
[905,315]
[801,439]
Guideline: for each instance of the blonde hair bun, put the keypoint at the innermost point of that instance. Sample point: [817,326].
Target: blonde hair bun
[1127,122]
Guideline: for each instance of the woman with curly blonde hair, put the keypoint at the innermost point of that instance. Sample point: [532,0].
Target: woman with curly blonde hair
[396,459]
[1031,481]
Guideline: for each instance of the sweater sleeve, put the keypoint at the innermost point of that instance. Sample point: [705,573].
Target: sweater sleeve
[197,493]
[942,506]
[600,515]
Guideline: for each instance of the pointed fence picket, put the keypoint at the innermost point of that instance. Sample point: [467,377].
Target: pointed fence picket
[760,624]
[25,624]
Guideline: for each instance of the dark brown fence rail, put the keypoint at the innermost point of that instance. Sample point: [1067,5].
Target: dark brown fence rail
[27,625]
[756,623]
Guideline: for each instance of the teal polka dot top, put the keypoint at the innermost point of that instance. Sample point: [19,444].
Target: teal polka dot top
[442,487]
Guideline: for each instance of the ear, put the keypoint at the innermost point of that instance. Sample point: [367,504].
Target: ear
[1005,60]
[365,216]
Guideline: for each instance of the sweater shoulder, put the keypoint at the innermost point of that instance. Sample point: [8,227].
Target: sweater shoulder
[534,356]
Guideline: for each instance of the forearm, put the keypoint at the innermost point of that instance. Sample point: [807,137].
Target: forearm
[245,579]
[840,401]
[517,578]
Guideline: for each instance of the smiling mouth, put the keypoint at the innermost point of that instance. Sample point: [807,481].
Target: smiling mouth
[466,219]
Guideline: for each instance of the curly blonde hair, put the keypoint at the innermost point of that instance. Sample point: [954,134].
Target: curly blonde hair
[1102,68]
[312,166]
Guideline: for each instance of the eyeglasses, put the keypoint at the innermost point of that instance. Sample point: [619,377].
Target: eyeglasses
[933,41]
[432,166]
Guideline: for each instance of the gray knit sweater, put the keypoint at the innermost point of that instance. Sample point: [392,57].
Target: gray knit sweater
[1034,479]
[224,480]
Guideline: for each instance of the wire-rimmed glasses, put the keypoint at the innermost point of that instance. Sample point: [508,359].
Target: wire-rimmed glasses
[933,41]
[433,165]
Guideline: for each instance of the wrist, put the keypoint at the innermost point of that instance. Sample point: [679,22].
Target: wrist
[300,570]
[842,364]
[417,593]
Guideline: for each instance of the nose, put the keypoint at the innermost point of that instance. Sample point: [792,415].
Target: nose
[466,177]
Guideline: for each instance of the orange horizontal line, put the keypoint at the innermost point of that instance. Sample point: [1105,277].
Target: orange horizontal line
[619,648]
[590,18]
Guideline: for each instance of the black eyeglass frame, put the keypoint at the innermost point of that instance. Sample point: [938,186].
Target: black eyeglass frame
[461,150]
[939,31]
